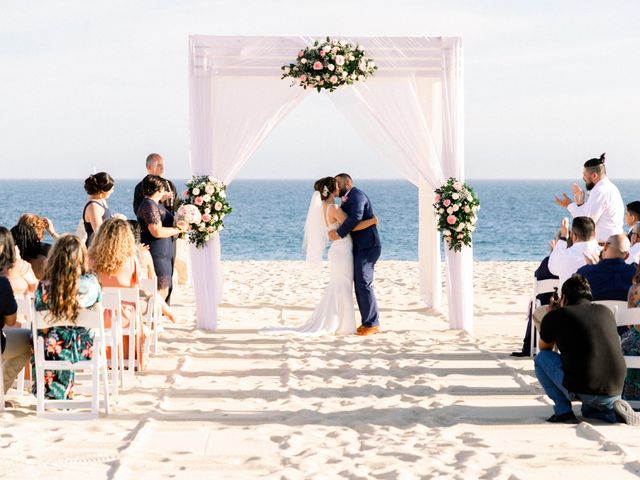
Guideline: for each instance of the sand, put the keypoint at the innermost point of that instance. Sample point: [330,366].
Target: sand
[417,401]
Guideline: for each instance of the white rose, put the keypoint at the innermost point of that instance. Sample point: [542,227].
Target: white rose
[467,209]
[206,238]
[441,210]
[446,233]
[326,48]
[214,218]
[456,207]
[223,194]
[286,69]
[221,216]
[344,74]
[303,60]
[459,228]
[318,77]
[360,77]
[331,67]
[202,228]
[206,198]
[351,58]
[471,228]
[473,220]
[455,196]
[207,211]
[196,191]
[450,210]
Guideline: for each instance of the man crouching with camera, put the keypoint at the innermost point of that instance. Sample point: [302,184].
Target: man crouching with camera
[590,367]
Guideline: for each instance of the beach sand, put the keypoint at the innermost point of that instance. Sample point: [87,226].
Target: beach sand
[416,401]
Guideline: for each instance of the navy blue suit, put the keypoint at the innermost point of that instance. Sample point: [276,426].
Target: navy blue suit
[366,251]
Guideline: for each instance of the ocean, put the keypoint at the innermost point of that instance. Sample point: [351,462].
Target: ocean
[517,218]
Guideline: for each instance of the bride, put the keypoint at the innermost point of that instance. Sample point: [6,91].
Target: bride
[334,314]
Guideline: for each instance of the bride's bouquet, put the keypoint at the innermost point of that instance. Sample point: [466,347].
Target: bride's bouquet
[456,206]
[204,207]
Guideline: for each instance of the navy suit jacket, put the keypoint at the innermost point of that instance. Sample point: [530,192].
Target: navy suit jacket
[358,208]
[610,278]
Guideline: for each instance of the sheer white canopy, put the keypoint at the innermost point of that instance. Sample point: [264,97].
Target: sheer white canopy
[411,112]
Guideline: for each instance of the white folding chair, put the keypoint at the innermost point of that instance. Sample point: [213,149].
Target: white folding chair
[113,337]
[153,318]
[613,305]
[91,319]
[626,317]
[539,287]
[25,309]
[131,296]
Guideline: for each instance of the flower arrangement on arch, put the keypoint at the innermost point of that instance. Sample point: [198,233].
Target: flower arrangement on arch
[329,64]
[203,209]
[456,206]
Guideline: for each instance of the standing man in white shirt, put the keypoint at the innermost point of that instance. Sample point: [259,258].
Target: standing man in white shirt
[604,205]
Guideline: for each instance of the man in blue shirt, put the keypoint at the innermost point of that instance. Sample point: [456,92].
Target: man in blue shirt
[610,278]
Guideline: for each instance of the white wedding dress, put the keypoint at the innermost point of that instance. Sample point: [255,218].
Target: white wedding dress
[335,313]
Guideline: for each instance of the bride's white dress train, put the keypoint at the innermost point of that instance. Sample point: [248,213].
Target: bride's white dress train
[335,313]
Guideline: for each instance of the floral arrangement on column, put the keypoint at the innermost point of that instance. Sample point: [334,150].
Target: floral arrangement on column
[203,209]
[329,64]
[456,206]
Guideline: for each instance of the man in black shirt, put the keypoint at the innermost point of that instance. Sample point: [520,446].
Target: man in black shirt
[155,166]
[590,367]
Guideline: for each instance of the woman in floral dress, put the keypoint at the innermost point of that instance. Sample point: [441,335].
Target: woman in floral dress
[65,289]
[631,344]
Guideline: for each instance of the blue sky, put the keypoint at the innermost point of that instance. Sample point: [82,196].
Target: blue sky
[84,84]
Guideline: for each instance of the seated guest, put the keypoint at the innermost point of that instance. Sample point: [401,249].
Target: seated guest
[611,277]
[569,254]
[99,186]
[112,258]
[541,273]
[15,343]
[30,247]
[634,239]
[564,261]
[632,214]
[67,288]
[590,366]
[16,270]
[630,342]
[40,225]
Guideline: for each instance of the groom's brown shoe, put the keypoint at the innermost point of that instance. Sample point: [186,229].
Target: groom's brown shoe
[362,330]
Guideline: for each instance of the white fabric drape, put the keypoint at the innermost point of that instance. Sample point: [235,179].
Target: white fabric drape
[230,118]
[412,112]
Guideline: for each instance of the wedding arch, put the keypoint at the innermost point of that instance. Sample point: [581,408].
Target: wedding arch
[411,112]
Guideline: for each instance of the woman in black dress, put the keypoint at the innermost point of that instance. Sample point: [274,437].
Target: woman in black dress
[99,186]
[156,225]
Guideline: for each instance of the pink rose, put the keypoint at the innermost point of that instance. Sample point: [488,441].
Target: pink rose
[185,193]
[198,201]
[218,206]
[333,79]
[317,66]
[446,202]
[206,217]
[209,189]
[457,186]
[334,50]
[437,199]
[460,235]
[300,54]
[322,54]
[451,219]
[303,78]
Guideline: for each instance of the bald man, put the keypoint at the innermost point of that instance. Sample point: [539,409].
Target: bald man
[610,278]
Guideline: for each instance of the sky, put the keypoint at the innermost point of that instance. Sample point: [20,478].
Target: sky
[548,84]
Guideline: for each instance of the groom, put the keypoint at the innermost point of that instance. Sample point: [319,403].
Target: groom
[366,250]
